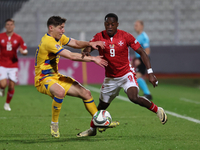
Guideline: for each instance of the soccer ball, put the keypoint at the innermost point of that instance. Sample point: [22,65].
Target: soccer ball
[102,118]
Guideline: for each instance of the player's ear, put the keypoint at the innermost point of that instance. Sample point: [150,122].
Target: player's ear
[117,24]
[50,27]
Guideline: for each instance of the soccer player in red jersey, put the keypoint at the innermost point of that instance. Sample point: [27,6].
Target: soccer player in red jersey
[119,73]
[10,43]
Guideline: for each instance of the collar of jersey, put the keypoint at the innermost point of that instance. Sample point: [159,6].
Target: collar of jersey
[113,35]
[51,36]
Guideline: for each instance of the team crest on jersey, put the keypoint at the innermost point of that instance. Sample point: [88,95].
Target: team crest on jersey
[15,41]
[57,46]
[121,43]
[112,45]
[2,41]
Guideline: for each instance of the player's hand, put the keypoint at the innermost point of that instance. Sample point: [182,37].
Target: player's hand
[97,44]
[153,80]
[100,61]
[85,54]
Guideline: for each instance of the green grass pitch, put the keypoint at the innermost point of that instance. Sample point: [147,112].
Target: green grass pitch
[26,127]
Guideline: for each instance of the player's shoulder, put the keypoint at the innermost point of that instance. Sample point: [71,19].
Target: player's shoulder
[3,34]
[47,38]
[144,34]
[122,32]
[100,33]
[98,36]
[64,36]
[16,35]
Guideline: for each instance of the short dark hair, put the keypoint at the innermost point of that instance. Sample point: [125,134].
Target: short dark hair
[141,22]
[55,21]
[9,19]
[112,15]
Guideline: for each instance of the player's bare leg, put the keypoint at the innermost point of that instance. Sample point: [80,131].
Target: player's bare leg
[78,90]
[59,93]
[11,90]
[3,84]
[132,93]
[103,106]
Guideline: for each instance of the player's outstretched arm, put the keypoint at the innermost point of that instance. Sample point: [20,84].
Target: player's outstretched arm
[146,61]
[23,52]
[78,57]
[82,44]
[86,51]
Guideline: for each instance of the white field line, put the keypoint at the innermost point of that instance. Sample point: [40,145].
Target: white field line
[168,112]
[189,100]
[183,117]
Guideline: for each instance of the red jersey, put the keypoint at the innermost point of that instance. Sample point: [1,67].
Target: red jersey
[116,51]
[8,49]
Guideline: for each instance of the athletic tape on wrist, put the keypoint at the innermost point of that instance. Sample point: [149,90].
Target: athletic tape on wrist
[149,70]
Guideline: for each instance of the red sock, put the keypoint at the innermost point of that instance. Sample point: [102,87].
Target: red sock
[9,96]
[153,108]
[92,124]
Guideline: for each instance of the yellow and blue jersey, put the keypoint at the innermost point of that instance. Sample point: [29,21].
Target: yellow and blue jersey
[143,39]
[47,58]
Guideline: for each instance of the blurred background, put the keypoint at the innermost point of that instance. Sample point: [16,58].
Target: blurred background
[173,27]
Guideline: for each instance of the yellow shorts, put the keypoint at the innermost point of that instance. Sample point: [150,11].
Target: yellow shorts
[45,84]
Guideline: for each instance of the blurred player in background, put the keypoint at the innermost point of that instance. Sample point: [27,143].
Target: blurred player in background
[119,73]
[10,43]
[143,39]
[47,78]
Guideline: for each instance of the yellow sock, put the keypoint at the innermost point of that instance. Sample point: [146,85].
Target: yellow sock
[56,107]
[90,106]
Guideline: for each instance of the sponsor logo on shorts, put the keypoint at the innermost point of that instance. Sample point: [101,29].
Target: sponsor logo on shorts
[48,80]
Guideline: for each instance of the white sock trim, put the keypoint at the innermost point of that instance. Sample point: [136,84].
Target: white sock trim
[54,122]
[91,128]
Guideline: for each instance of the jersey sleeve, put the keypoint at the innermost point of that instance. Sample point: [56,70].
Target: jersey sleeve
[22,43]
[146,42]
[53,47]
[65,40]
[132,42]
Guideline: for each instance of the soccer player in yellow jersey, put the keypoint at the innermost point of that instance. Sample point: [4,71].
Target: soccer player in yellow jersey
[49,81]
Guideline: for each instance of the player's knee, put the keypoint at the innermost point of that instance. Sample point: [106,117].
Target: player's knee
[60,93]
[134,98]
[87,94]
[3,86]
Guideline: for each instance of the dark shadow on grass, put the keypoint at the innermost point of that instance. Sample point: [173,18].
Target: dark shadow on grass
[46,138]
